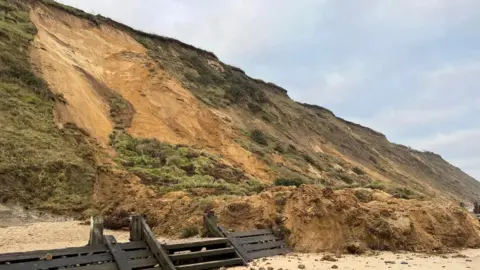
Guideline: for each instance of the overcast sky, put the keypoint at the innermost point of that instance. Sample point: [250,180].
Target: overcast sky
[407,68]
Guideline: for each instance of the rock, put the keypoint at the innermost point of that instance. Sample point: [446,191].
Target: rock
[404,263]
[280,269]
[334,266]
[270,268]
[268,264]
[251,268]
[355,248]
[329,258]
[261,268]
[390,262]
[264,259]
[301,266]
[48,256]
[467,260]
[254,264]
[316,260]
[459,256]
[445,256]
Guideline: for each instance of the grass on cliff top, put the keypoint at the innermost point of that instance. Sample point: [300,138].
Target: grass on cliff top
[40,165]
[169,167]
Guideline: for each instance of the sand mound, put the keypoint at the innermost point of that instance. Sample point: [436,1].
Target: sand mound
[319,220]
[314,219]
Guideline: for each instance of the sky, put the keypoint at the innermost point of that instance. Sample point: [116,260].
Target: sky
[407,68]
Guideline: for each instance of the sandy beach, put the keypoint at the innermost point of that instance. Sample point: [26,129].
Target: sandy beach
[50,235]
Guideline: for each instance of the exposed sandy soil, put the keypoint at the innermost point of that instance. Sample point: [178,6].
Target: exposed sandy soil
[381,260]
[313,219]
[164,109]
[49,235]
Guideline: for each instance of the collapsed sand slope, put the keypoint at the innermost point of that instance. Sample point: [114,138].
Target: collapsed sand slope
[315,220]
[76,56]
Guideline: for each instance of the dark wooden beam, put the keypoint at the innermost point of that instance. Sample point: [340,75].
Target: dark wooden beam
[118,254]
[155,247]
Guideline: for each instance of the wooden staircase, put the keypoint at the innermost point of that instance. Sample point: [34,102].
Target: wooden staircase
[205,254]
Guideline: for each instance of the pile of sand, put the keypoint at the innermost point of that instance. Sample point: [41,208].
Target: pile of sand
[311,218]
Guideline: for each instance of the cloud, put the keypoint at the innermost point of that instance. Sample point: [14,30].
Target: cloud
[402,120]
[460,147]
[456,143]
[337,85]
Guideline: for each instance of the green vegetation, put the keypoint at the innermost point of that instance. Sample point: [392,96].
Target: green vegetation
[358,171]
[258,137]
[404,193]
[40,165]
[363,195]
[289,182]
[189,231]
[175,167]
[376,185]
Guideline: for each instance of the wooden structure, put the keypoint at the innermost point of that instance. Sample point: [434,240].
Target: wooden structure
[102,253]
[206,254]
[142,252]
[249,245]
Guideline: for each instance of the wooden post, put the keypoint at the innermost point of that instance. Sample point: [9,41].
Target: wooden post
[96,231]
[157,249]
[210,223]
[136,228]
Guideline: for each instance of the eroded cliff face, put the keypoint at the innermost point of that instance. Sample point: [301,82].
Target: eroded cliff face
[141,123]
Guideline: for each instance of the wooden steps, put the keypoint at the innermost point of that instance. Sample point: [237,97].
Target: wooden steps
[249,245]
[207,254]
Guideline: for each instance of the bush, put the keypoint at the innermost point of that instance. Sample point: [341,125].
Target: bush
[347,178]
[358,171]
[289,182]
[258,137]
[404,193]
[375,185]
[189,231]
[279,148]
[363,195]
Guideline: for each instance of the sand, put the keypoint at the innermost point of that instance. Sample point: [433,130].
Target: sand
[50,235]
[382,260]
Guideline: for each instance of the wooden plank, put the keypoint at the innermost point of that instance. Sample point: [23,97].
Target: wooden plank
[267,245]
[35,255]
[134,264]
[202,254]
[103,266]
[118,254]
[133,245]
[256,239]
[196,244]
[142,263]
[251,233]
[155,247]
[96,230]
[138,254]
[241,252]
[135,228]
[59,262]
[269,253]
[211,265]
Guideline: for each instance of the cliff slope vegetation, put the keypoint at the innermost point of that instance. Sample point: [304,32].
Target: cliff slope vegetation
[99,117]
